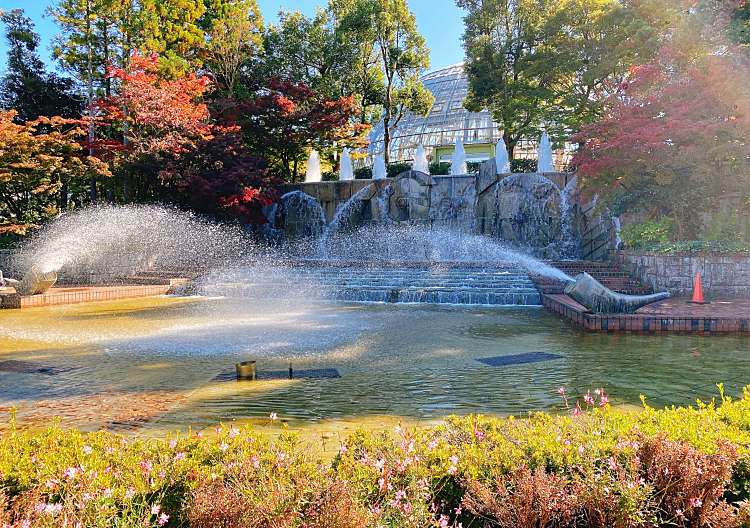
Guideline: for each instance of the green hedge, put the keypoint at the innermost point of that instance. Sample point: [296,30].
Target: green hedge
[604,467]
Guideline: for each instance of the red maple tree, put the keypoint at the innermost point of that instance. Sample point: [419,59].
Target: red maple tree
[675,137]
[286,119]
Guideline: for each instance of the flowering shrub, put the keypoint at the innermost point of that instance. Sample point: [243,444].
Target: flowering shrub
[595,467]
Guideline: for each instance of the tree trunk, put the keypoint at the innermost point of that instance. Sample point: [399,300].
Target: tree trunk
[90,74]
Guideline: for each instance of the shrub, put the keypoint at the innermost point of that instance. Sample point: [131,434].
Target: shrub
[647,234]
[657,468]
[523,165]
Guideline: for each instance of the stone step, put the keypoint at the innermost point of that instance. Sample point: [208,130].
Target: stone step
[472,286]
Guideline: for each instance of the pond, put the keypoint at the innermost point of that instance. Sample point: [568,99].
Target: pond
[157,364]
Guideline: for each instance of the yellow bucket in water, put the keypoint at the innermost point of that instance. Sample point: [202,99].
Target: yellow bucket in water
[246,370]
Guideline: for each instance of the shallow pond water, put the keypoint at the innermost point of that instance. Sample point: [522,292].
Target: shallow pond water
[149,365]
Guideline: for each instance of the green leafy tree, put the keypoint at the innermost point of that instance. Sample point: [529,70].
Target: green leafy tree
[306,50]
[234,32]
[548,63]
[403,57]
[27,87]
[172,29]
[364,76]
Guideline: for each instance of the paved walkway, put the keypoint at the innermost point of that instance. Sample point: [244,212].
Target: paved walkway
[728,316]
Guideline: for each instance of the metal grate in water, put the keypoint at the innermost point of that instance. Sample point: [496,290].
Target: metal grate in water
[518,359]
[28,367]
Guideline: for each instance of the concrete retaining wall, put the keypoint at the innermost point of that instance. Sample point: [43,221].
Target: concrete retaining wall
[724,275]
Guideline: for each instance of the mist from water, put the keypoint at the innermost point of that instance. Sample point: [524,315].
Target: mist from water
[115,239]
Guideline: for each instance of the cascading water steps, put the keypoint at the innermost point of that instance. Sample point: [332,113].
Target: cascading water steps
[509,286]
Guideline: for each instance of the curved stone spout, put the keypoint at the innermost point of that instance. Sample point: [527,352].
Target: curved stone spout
[599,299]
[36,281]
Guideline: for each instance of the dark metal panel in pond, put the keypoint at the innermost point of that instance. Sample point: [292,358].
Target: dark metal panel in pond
[518,359]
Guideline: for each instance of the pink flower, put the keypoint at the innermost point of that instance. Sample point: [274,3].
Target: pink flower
[561,391]
[223,446]
[443,521]
[87,450]
[180,456]
[255,461]
[581,449]
[70,473]
[479,434]
[343,449]
[379,464]
[273,416]
[163,518]
[588,399]
[234,432]
[172,444]
[695,503]
[155,509]
[603,401]
[577,411]
[146,467]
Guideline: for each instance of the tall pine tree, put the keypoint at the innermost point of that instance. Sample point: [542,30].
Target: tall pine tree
[26,87]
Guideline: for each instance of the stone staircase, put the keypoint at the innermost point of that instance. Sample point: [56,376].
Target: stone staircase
[496,286]
[608,273]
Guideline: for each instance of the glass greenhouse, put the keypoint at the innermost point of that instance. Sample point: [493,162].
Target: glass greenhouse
[447,121]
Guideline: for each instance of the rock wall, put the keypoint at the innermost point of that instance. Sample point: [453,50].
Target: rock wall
[724,275]
[523,210]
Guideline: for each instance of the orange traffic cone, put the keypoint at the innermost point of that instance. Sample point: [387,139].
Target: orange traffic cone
[698,290]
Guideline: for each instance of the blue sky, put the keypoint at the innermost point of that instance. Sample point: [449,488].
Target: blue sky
[440,21]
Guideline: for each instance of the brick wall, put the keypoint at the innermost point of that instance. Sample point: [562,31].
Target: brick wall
[724,275]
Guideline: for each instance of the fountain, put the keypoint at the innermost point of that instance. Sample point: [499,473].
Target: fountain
[313,173]
[420,161]
[458,162]
[379,172]
[502,160]
[568,242]
[346,171]
[599,299]
[545,163]
[107,243]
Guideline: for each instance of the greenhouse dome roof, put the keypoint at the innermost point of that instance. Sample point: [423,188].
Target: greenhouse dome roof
[447,121]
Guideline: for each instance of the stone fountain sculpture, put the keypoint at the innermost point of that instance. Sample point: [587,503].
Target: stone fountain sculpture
[34,282]
[599,299]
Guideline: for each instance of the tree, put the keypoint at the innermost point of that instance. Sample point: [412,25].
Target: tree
[171,29]
[286,119]
[674,141]
[403,57]
[547,64]
[42,163]
[26,87]
[220,177]
[234,31]
[365,76]
[156,118]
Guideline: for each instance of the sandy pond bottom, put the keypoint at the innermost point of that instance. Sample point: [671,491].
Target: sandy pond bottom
[147,366]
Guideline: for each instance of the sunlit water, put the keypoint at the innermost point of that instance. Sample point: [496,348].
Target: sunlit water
[412,363]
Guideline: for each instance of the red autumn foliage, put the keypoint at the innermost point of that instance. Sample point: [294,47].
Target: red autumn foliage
[154,114]
[287,118]
[675,135]
[220,176]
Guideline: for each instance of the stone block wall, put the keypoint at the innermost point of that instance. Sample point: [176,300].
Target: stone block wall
[724,275]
